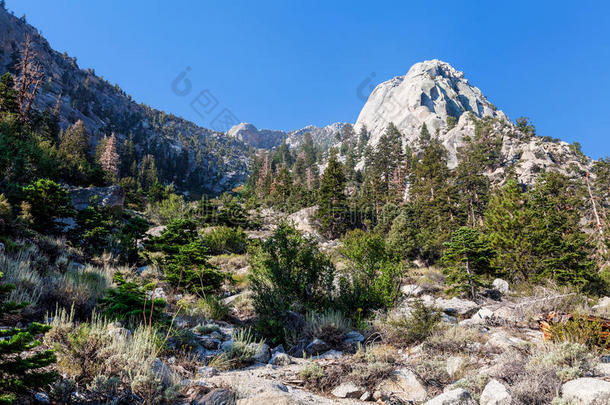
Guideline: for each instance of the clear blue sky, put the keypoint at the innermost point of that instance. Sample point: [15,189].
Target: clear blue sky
[287,64]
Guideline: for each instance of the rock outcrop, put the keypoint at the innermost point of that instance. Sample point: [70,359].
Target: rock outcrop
[111,197]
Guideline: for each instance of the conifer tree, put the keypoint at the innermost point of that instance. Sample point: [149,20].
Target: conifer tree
[19,365]
[109,160]
[332,201]
[467,257]
[8,96]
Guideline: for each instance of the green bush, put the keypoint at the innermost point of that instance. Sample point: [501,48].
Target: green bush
[46,201]
[129,301]
[415,327]
[240,353]
[371,278]
[224,239]
[288,273]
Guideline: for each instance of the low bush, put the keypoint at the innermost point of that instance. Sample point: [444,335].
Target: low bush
[224,239]
[91,356]
[240,353]
[446,339]
[212,307]
[405,330]
[330,326]
[578,330]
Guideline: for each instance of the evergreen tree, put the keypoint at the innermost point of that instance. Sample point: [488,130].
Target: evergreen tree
[466,259]
[332,201]
[46,201]
[8,95]
[109,160]
[19,365]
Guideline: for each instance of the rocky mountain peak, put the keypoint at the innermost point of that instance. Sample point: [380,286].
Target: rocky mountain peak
[431,92]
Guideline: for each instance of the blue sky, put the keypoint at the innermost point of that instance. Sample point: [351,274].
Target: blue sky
[288,64]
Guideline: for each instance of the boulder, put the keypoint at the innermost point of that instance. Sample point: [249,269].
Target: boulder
[331,354]
[495,393]
[348,390]
[453,397]
[303,220]
[501,285]
[280,359]
[206,372]
[586,391]
[317,346]
[210,343]
[405,385]
[502,341]
[111,197]
[217,396]
[602,304]
[262,353]
[457,306]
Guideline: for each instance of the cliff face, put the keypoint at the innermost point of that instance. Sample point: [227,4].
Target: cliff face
[196,159]
[436,94]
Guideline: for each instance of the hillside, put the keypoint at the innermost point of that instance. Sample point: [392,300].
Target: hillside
[195,159]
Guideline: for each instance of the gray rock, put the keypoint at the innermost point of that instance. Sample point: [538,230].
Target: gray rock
[41,398]
[217,396]
[602,303]
[501,285]
[454,365]
[457,306]
[262,353]
[331,354]
[405,385]
[280,359]
[317,346]
[207,372]
[353,338]
[587,391]
[111,197]
[495,393]
[210,343]
[347,390]
[278,349]
[453,397]
[411,290]
[226,346]
[366,396]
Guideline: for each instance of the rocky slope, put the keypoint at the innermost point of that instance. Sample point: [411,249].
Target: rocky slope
[269,138]
[196,159]
[436,94]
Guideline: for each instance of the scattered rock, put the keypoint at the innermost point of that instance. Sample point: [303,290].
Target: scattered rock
[262,353]
[405,385]
[317,346]
[457,306]
[411,290]
[453,397]
[331,354]
[495,393]
[602,304]
[353,337]
[294,321]
[207,372]
[501,340]
[501,285]
[280,359]
[210,343]
[41,398]
[366,396]
[278,349]
[115,330]
[217,396]
[454,364]
[348,390]
[270,398]
[587,391]
[226,346]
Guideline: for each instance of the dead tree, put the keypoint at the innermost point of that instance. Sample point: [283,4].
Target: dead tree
[30,77]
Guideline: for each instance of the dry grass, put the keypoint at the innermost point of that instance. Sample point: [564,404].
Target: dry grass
[330,326]
[456,339]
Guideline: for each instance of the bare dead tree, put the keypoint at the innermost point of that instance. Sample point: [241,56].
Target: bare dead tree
[601,249]
[31,76]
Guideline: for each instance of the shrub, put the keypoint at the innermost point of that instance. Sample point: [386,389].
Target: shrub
[88,354]
[312,374]
[94,227]
[211,307]
[129,301]
[453,340]
[371,279]
[207,328]
[288,273]
[240,354]
[330,326]
[414,327]
[46,201]
[224,239]
[20,367]
[578,330]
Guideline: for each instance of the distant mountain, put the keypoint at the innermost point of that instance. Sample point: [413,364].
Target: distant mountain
[436,94]
[196,159]
[268,138]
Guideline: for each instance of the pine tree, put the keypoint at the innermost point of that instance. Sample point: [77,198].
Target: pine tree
[466,259]
[332,201]
[8,95]
[19,366]
[75,141]
[109,160]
